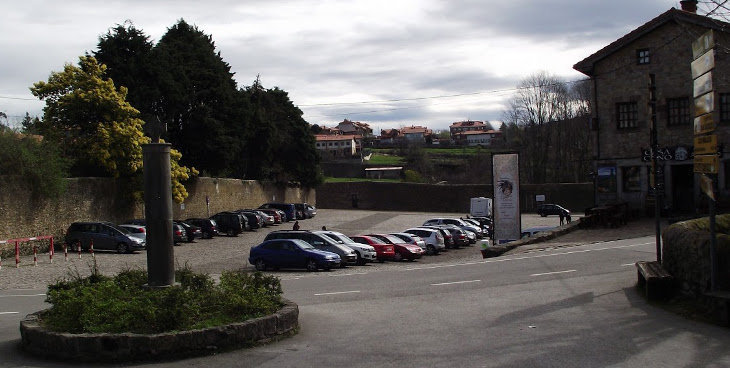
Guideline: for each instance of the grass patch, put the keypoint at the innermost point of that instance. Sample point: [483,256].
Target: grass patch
[102,304]
[378,159]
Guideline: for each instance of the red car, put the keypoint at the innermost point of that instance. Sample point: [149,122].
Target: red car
[403,250]
[383,250]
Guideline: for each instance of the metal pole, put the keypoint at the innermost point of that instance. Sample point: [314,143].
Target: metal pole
[713,241]
[158,215]
[658,186]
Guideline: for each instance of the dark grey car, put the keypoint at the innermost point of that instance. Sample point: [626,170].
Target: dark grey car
[104,235]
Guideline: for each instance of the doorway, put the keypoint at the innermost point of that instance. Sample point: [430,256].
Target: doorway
[683,188]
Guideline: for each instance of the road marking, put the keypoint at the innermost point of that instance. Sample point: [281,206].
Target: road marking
[348,274]
[628,264]
[19,295]
[9,312]
[552,273]
[455,282]
[338,292]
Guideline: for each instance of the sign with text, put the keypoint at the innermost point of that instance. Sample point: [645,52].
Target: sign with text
[707,164]
[706,144]
[705,104]
[703,84]
[704,124]
[703,64]
[506,181]
[704,43]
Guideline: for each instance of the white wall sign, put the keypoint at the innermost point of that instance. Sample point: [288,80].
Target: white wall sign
[506,181]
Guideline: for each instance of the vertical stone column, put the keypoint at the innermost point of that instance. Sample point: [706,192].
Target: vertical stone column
[158,215]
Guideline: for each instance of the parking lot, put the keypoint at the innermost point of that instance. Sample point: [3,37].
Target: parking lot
[222,253]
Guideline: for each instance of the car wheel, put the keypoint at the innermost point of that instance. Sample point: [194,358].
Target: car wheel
[122,248]
[260,265]
[312,265]
[360,261]
[231,233]
[398,257]
[430,249]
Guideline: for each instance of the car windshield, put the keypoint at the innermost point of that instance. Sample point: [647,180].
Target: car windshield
[393,239]
[376,240]
[123,230]
[302,244]
[334,238]
[344,238]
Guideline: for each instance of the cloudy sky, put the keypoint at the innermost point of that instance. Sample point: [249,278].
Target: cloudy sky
[389,63]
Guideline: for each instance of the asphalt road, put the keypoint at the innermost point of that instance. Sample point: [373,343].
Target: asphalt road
[569,307]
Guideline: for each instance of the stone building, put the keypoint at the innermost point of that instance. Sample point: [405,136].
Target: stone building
[621,121]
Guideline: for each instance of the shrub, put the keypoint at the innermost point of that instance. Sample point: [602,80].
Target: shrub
[100,304]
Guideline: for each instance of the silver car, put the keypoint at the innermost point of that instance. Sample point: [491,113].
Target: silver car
[365,253]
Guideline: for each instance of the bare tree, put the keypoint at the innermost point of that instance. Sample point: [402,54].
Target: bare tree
[540,121]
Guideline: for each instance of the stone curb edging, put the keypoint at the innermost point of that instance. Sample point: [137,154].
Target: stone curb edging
[104,347]
[498,250]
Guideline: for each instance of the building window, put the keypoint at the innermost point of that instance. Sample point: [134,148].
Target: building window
[631,178]
[627,115]
[725,107]
[678,113]
[642,56]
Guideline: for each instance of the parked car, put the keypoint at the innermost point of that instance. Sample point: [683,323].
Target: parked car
[179,235]
[433,238]
[208,227]
[266,219]
[402,249]
[485,225]
[412,239]
[383,250]
[275,214]
[547,209]
[319,241]
[365,253]
[445,233]
[229,223]
[458,222]
[310,210]
[137,231]
[104,235]
[191,231]
[253,220]
[288,208]
[291,253]
[300,211]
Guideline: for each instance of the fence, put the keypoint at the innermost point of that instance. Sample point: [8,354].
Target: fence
[35,248]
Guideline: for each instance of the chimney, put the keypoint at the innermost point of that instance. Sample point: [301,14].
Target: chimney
[689,6]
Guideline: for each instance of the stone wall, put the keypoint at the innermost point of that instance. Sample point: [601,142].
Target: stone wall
[106,199]
[686,254]
[444,198]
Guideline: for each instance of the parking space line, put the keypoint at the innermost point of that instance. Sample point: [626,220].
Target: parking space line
[9,313]
[628,264]
[552,273]
[456,282]
[338,292]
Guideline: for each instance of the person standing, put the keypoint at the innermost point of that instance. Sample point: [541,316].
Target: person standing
[562,217]
[296,225]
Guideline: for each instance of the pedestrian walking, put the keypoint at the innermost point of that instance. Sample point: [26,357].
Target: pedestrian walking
[562,217]
[324,228]
[296,225]
[567,217]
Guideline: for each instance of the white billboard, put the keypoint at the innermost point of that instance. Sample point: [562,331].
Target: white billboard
[506,181]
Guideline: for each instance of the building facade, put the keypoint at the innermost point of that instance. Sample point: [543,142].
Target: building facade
[621,121]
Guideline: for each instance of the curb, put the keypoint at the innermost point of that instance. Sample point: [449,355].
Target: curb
[125,347]
[498,250]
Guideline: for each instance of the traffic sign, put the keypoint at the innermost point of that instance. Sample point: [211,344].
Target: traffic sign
[703,84]
[704,43]
[703,64]
[707,164]
[704,124]
[705,104]
[706,144]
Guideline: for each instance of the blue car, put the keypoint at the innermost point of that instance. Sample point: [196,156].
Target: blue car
[291,253]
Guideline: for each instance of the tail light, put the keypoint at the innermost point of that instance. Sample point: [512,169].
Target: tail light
[178,232]
[141,230]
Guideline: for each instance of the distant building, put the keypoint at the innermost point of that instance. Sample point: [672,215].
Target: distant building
[355,128]
[340,145]
[477,138]
[416,133]
[467,126]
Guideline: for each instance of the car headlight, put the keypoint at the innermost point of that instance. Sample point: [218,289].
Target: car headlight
[329,257]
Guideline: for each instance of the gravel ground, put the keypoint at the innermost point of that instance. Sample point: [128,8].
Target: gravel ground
[216,255]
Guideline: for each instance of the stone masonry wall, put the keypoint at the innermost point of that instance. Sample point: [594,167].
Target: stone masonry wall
[103,199]
[686,255]
[444,198]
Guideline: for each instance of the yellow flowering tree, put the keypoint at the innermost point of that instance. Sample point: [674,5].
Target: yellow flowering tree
[95,126]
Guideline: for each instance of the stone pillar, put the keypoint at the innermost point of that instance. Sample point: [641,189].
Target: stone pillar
[158,215]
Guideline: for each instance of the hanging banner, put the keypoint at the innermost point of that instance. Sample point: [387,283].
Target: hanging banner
[506,181]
